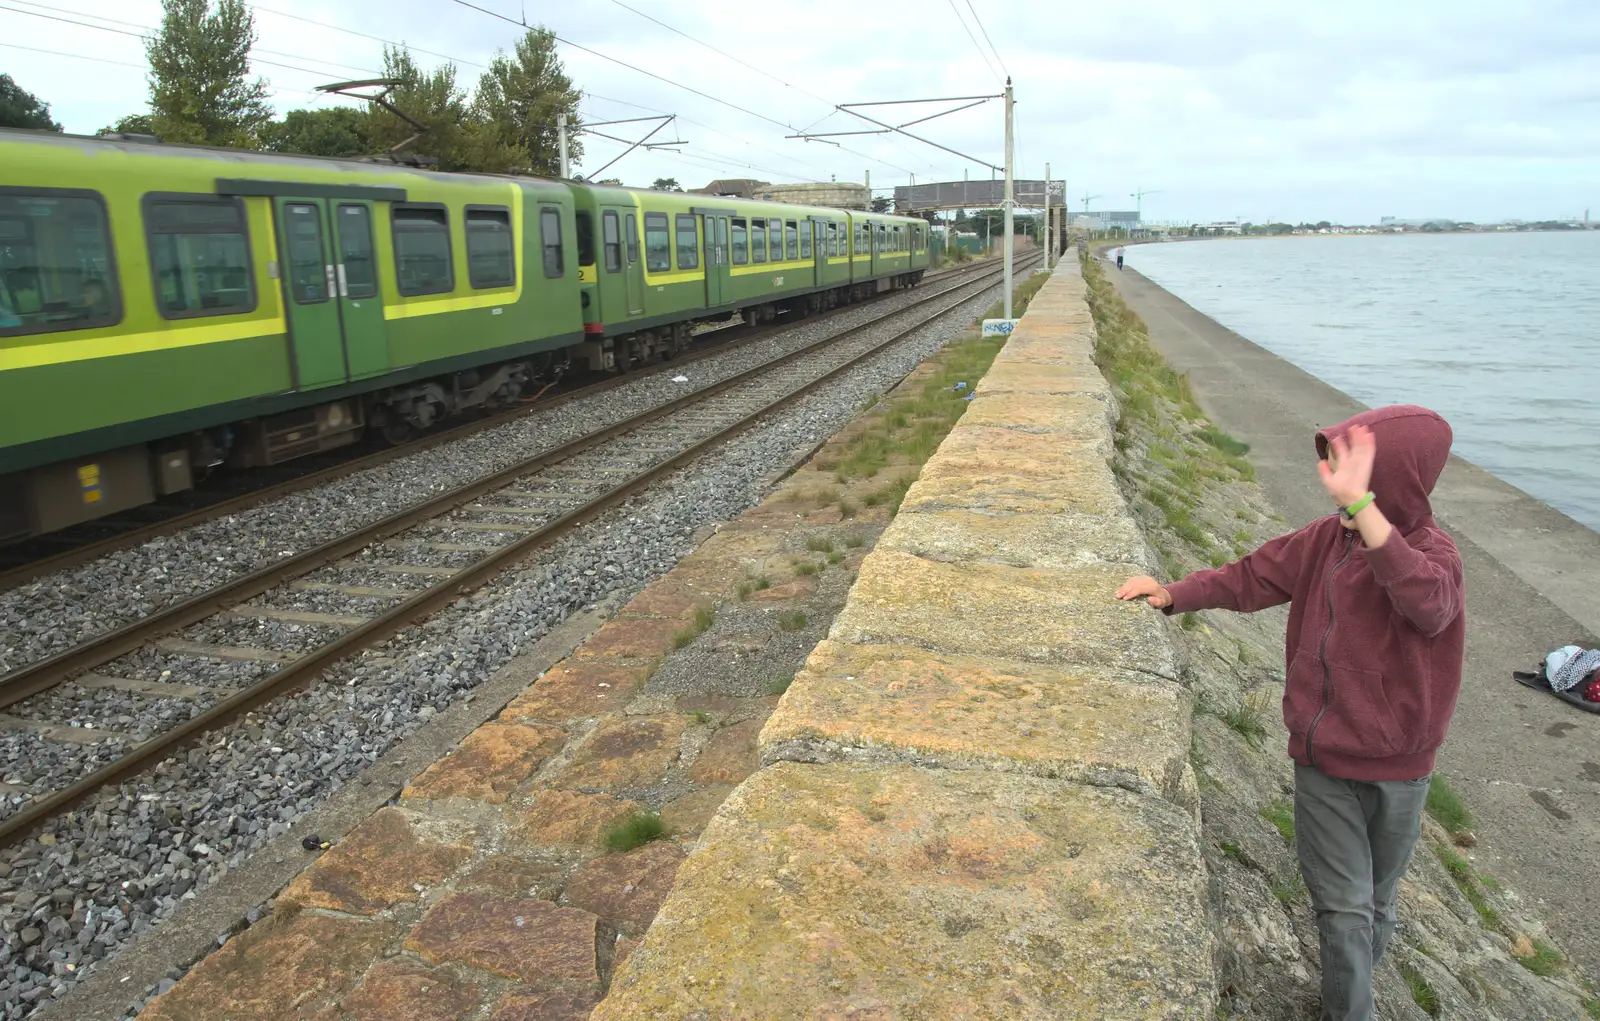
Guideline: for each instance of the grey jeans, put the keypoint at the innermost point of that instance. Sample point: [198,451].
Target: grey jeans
[1354,839]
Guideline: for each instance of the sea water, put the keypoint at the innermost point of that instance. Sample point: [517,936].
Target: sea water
[1499,333]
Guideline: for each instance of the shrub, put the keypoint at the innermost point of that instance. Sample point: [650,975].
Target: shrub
[635,831]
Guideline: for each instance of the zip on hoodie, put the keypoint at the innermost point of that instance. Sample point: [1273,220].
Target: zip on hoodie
[1322,651]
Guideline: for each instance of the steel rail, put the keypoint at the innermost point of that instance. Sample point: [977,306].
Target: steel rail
[22,574]
[304,670]
[30,679]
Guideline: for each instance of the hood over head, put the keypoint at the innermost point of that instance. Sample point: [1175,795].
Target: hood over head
[1413,446]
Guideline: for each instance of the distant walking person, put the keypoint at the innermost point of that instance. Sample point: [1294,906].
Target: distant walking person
[1119,256]
[1374,652]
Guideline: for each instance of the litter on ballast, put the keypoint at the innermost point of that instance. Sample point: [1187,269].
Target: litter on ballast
[680,379]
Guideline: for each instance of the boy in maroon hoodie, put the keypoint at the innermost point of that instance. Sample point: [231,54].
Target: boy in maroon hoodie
[1374,654]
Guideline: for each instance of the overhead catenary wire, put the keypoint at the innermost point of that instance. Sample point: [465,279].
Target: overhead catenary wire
[986,39]
[833,107]
[135,67]
[666,81]
[143,35]
[987,62]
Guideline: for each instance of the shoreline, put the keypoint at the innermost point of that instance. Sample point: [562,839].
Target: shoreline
[1531,574]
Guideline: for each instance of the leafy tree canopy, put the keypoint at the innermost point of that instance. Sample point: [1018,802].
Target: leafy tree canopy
[665,184]
[200,86]
[330,131]
[20,108]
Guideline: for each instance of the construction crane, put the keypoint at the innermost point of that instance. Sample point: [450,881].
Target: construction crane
[1138,198]
[1086,198]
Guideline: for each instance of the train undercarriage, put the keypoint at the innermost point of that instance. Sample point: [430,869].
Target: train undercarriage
[56,496]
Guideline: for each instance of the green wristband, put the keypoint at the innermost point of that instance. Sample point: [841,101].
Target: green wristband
[1357,507]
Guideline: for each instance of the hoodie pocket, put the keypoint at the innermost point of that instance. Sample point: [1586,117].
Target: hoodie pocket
[1359,721]
[1302,693]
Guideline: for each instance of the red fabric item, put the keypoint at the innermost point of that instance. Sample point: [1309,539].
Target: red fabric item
[1376,636]
[1591,689]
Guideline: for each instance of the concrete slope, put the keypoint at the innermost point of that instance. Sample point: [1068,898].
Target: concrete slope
[1528,765]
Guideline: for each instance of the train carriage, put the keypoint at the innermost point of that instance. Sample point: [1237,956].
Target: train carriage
[167,309]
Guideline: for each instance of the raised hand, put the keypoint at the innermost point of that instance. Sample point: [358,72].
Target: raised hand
[1148,588]
[1347,473]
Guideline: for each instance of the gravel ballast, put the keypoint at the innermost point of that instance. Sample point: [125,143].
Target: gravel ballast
[126,860]
[56,612]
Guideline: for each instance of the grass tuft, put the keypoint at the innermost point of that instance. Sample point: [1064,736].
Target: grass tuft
[1593,1008]
[1446,806]
[1545,960]
[806,568]
[635,831]
[854,541]
[795,621]
[1281,815]
[1247,719]
[1422,992]
[700,716]
[779,685]
[703,616]
[1288,891]
[819,544]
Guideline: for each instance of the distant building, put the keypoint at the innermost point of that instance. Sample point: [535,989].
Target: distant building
[1127,219]
[838,195]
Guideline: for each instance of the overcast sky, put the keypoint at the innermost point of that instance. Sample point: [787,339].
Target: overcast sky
[1288,109]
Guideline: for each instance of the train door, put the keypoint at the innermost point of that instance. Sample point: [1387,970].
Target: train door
[719,288]
[355,272]
[819,250]
[330,289]
[308,288]
[632,267]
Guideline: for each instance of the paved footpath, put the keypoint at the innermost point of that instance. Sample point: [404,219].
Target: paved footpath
[1528,765]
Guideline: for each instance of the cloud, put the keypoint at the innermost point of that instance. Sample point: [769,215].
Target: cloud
[1343,111]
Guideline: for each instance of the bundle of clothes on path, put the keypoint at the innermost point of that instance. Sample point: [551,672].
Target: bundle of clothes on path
[1571,673]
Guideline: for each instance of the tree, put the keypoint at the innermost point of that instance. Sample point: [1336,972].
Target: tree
[20,108]
[513,117]
[432,100]
[133,124]
[332,131]
[665,184]
[881,205]
[200,90]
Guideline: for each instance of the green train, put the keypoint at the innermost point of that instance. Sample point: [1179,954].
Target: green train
[167,310]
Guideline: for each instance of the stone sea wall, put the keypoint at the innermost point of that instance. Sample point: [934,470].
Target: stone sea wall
[976,798]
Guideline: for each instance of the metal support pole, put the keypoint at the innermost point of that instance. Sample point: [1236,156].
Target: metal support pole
[561,135]
[1010,226]
[869,191]
[1047,217]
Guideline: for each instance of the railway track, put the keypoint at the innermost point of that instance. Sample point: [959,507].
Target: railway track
[33,558]
[321,606]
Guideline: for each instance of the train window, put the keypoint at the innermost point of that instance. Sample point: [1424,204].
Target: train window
[200,256]
[56,271]
[585,238]
[422,260]
[657,243]
[688,243]
[792,243]
[491,259]
[308,273]
[612,237]
[633,239]
[741,243]
[356,261]
[861,239]
[554,252]
[758,241]
[775,238]
[805,239]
